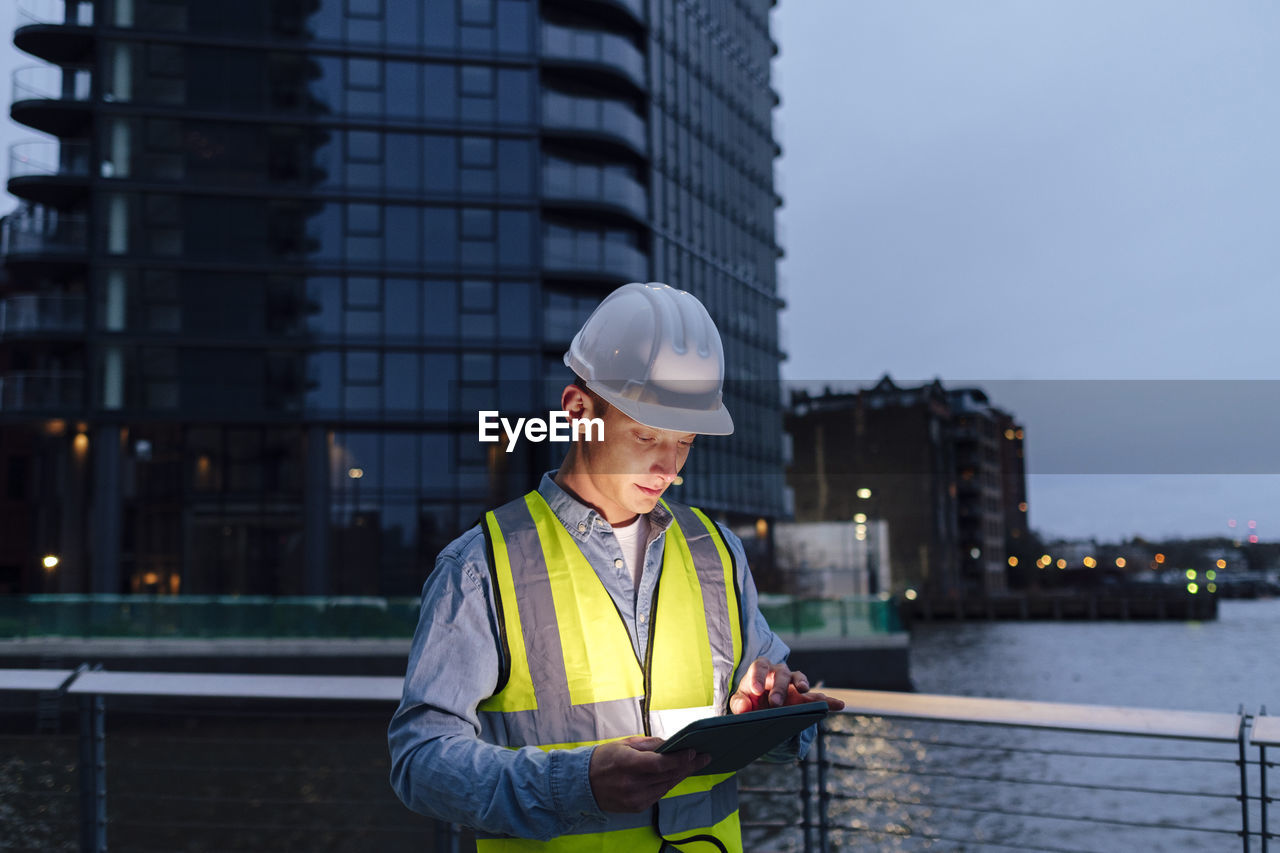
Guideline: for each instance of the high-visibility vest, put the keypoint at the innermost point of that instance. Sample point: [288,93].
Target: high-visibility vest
[571,677]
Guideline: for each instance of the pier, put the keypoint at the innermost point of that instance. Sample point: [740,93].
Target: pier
[1078,604]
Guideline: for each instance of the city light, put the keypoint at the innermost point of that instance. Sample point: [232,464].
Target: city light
[909,595]
[1253,539]
[1222,564]
[762,528]
[1013,561]
[1191,574]
[975,553]
[1253,525]
[1211,575]
[860,518]
[50,562]
[1062,564]
[1120,562]
[1159,558]
[1213,587]
[1193,588]
[1090,563]
[355,473]
[864,493]
[1008,434]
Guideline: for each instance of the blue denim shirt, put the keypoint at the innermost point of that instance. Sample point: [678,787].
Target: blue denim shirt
[439,765]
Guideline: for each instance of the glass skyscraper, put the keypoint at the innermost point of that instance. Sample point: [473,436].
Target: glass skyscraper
[273,256]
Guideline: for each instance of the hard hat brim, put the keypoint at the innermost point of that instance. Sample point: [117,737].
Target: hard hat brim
[699,421]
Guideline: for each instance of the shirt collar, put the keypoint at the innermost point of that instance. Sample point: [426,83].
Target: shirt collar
[580,519]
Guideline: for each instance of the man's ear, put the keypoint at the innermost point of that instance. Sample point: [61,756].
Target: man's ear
[576,402]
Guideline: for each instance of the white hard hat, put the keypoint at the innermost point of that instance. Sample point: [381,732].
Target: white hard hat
[654,352]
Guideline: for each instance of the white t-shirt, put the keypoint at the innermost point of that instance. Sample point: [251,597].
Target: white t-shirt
[632,540]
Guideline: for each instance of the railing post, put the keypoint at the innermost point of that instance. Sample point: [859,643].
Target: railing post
[1244,784]
[93,775]
[806,804]
[1262,783]
[822,789]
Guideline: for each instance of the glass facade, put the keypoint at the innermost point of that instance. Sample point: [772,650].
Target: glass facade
[283,251]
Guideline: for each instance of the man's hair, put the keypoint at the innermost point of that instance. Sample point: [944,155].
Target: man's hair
[600,403]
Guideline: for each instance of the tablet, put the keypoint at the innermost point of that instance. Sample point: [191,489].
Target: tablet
[735,740]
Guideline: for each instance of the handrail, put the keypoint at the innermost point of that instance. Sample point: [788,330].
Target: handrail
[1266,731]
[34,679]
[170,684]
[1091,719]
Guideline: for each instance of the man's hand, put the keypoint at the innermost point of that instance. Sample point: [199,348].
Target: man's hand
[628,776]
[772,685]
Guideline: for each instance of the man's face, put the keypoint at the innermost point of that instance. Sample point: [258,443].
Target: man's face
[633,466]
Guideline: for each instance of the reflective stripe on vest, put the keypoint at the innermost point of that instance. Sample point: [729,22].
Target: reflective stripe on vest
[572,678]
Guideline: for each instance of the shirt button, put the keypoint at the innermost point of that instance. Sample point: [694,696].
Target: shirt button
[582,527]
[617,564]
[644,617]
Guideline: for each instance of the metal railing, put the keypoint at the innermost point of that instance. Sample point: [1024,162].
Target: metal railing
[38,230]
[174,761]
[355,617]
[78,13]
[46,158]
[206,616]
[50,83]
[30,313]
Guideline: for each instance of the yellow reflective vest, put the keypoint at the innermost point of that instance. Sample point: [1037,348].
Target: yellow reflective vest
[570,676]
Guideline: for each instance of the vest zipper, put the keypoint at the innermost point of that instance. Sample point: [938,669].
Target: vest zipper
[648,658]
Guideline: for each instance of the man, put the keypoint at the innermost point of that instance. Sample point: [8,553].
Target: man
[568,633]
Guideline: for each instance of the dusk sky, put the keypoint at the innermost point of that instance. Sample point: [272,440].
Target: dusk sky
[1050,190]
[1041,190]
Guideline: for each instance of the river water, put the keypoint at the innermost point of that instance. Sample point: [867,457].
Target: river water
[926,786]
[1190,666]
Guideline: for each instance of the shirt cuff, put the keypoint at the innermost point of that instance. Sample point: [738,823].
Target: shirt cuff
[571,785]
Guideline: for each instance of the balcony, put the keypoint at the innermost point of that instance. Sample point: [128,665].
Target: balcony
[593,257]
[37,315]
[48,172]
[42,234]
[595,186]
[41,391]
[585,47]
[55,30]
[621,12]
[599,117]
[52,100]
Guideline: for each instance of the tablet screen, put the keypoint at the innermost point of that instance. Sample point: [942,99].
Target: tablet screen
[735,740]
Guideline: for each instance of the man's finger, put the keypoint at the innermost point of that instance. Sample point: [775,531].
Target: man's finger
[759,672]
[779,681]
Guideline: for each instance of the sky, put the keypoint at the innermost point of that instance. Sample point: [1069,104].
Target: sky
[1074,204]
[1043,198]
